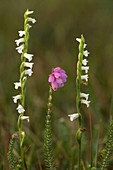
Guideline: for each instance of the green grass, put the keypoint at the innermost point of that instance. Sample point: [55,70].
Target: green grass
[53,43]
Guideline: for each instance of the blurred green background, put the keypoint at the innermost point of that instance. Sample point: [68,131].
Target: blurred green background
[52,40]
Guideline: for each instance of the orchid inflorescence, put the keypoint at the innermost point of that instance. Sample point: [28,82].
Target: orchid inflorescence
[82,76]
[25,71]
[26,64]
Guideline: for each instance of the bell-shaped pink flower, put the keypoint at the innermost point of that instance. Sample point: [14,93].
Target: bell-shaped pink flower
[57,78]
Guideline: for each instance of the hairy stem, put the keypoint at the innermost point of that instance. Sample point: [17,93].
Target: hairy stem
[48,148]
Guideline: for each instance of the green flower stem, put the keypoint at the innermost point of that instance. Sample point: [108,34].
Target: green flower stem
[23,85]
[78,103]
[21,141]
[48,150]
[25,71]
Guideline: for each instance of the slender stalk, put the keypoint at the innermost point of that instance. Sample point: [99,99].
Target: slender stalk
[78,100]
[21,138]
[25,71]
[111,108]
[23,78]
[48,149]
[78,111]
[57,80]
[90,137]
[79,163]
[23,84]
[81,97]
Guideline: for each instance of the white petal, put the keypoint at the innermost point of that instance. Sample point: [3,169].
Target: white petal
[21,40]
[86,53]
[29,72]
[25,118]
[85,45]
[85,68]
[21,33]
[20,109]
[29,26]
[20,49]
[23,133]
[28,56]
[15,98]
[17,85]
[27,64]
[32,20]
[78,39]
[84,95]
[24,78]
[84,77]
[73,116]
[84,62]
[85,102]
[28,12]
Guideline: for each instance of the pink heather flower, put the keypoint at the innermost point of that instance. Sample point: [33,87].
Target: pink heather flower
[57,78]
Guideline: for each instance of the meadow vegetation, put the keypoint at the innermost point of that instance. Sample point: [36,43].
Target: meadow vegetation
[52,41]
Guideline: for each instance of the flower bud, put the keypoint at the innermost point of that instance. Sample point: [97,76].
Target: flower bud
[79,134]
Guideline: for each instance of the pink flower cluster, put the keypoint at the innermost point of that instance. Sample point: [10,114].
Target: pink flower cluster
[57,78]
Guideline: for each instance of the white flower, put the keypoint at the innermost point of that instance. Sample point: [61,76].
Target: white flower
[84,95]
[29,72]
[20,48]
[73,116]
[84,62]
[28,12]
[20,109]
[15,98]
[21,33]
[28,25]
[21,40]
[27,64]
[24,78]
[17,85]
[84,77]
[25,118]
[28,56]
[85,68]
[85,45]
[23,133]
[79,40]
[85,102]
[32,20]
[86,53]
